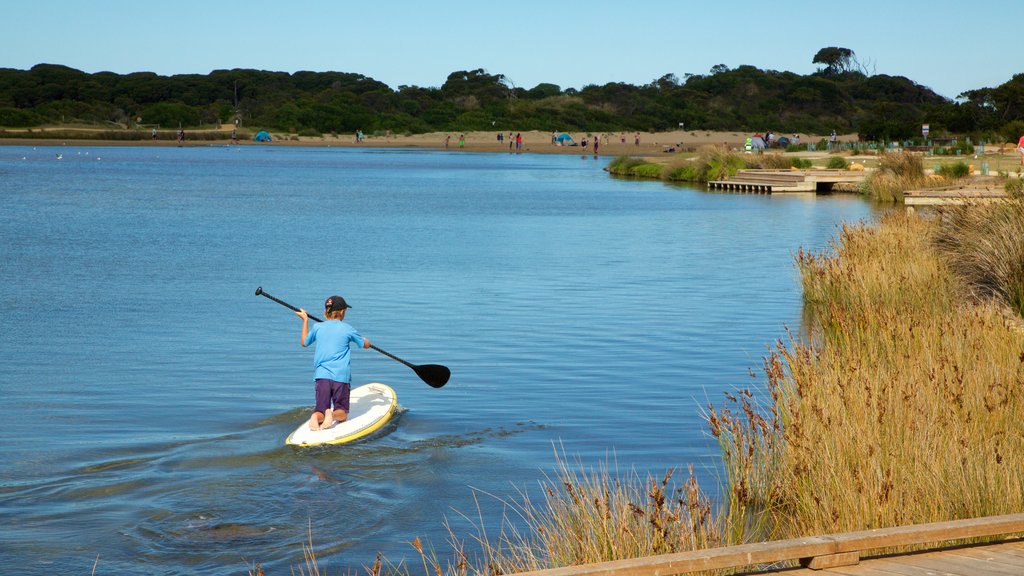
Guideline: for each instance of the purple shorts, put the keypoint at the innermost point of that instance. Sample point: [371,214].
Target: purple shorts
[328,391]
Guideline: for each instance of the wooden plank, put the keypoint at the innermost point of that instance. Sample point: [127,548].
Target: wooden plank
[858,570]
[953,566]
[992,555]
[901,569]
[928,533]
[770,552]
[831,560]
[700,560]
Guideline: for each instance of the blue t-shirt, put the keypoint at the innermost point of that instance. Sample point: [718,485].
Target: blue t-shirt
[330,358]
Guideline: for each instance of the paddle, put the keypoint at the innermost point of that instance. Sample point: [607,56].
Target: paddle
[433,374]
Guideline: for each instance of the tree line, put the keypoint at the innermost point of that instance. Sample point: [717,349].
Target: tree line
[842,96]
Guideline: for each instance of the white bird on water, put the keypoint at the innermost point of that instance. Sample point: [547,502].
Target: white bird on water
[60,156]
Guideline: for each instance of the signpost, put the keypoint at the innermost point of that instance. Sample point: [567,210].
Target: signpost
[924,130]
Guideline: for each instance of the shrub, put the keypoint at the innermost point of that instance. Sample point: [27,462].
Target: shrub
[647,170]
[896,174]
[837,163]
[1015,187]
[953,171]
[984,243]
[802,163]
[717,163]
[1012,130]
[686,173]
[769,161]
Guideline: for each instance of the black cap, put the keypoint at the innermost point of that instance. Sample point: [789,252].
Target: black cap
[335,303]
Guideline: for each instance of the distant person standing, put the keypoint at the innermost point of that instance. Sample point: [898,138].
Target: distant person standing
[636,139]
[597,143]
[519,142]
[154,133]
[462,140]
[1020,149]
[447,139]
[181,136]
[832,140]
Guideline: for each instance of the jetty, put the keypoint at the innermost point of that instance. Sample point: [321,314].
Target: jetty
[939,550]
[758,181]
[951,195]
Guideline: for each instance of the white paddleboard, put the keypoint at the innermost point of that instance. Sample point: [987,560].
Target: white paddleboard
[371,406]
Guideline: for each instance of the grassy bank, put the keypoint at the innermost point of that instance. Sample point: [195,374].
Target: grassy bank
[710,163]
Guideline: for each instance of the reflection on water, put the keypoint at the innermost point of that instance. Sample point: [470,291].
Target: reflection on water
[148,392]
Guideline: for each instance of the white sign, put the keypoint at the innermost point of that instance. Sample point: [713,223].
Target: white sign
[924,129]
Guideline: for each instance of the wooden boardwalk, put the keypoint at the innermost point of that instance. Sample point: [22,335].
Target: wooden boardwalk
[992,559]
[950,195]
[785,181]
[848,554]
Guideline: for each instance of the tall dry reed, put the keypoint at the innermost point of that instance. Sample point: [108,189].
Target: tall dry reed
[984,243]
[909,409]
[896,173]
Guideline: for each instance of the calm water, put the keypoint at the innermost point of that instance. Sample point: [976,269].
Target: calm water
[147,391]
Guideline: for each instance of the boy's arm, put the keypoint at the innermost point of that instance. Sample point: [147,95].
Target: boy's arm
[305,325]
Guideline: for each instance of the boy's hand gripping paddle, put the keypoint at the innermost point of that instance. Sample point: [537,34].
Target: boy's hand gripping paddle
[433,374]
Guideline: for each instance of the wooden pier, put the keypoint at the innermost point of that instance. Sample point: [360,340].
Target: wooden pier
[848,554]
[785,181]
[951,195]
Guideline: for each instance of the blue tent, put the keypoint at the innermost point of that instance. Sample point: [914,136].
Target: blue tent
[565,140]
[262,136]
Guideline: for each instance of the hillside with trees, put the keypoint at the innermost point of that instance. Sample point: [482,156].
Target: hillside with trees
[842,95]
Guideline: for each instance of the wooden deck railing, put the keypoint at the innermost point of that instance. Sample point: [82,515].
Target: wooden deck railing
[814,552]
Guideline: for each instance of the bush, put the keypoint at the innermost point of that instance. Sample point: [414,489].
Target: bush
[896,174]
[1015,188]
[686,173]
[837,163]
[629,166]
[953,171]
[1012,130]
[802,163]
[769,162]
[984,243]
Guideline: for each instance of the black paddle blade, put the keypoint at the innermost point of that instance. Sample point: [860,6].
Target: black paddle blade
[433,374]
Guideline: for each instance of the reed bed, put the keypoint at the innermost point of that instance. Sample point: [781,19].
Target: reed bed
[896,174]
[909,408]
[904,404]
[984,243]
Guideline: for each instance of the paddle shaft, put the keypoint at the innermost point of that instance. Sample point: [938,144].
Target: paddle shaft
[260,292]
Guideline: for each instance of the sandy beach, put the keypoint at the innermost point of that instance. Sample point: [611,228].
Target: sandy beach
[612,143]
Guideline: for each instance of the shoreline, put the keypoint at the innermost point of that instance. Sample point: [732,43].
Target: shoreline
[666,144]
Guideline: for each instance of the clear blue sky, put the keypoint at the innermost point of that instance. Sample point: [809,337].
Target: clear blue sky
[945,45]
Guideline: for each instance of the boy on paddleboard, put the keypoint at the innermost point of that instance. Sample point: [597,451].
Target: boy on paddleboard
[333,367]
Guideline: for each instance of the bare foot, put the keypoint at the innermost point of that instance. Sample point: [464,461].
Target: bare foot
[328,419]
[314,424]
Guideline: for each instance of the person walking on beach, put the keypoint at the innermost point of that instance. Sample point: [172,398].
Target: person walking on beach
[462,140]
[597,142]
[332,372]
[446,140]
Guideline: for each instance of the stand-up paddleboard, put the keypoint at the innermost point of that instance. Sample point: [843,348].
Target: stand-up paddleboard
[371,406]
